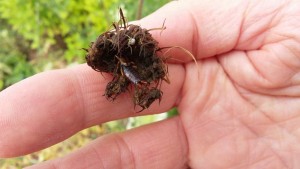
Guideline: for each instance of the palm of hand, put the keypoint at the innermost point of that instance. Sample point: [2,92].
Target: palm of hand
[243,110]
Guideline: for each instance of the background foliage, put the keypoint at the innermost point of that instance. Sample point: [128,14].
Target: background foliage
[38,35]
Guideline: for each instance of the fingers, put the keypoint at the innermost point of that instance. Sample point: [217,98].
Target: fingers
[50,107]
[159,145]
[269,50]
[205,28]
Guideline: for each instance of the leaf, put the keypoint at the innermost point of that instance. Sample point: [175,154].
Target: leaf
[5,69]
[1,85]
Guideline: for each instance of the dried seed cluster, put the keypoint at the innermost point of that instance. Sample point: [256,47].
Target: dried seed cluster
[129,54]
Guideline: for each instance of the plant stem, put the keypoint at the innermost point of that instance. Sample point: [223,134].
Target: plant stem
[140,9]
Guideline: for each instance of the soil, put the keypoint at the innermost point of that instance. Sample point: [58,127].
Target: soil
[129,54]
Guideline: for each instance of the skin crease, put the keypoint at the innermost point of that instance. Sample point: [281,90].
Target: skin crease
[239,108]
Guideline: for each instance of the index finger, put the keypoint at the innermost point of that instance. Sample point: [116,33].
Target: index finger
[51,106]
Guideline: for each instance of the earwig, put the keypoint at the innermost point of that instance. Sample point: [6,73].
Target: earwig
[130,73]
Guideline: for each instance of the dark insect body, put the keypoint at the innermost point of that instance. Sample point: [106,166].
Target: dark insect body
[129,54]
[130,72]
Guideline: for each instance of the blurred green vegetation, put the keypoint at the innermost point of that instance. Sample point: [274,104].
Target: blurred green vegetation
[39,35]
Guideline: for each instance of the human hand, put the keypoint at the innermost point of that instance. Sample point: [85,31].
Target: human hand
[242,111]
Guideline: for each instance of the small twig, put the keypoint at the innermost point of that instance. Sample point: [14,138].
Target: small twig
[140,10]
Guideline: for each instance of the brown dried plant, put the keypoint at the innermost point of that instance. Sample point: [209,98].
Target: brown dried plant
[129,53]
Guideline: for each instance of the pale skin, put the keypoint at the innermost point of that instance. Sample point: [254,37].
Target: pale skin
[239,108]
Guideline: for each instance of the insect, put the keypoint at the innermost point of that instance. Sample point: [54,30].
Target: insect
[128,70]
